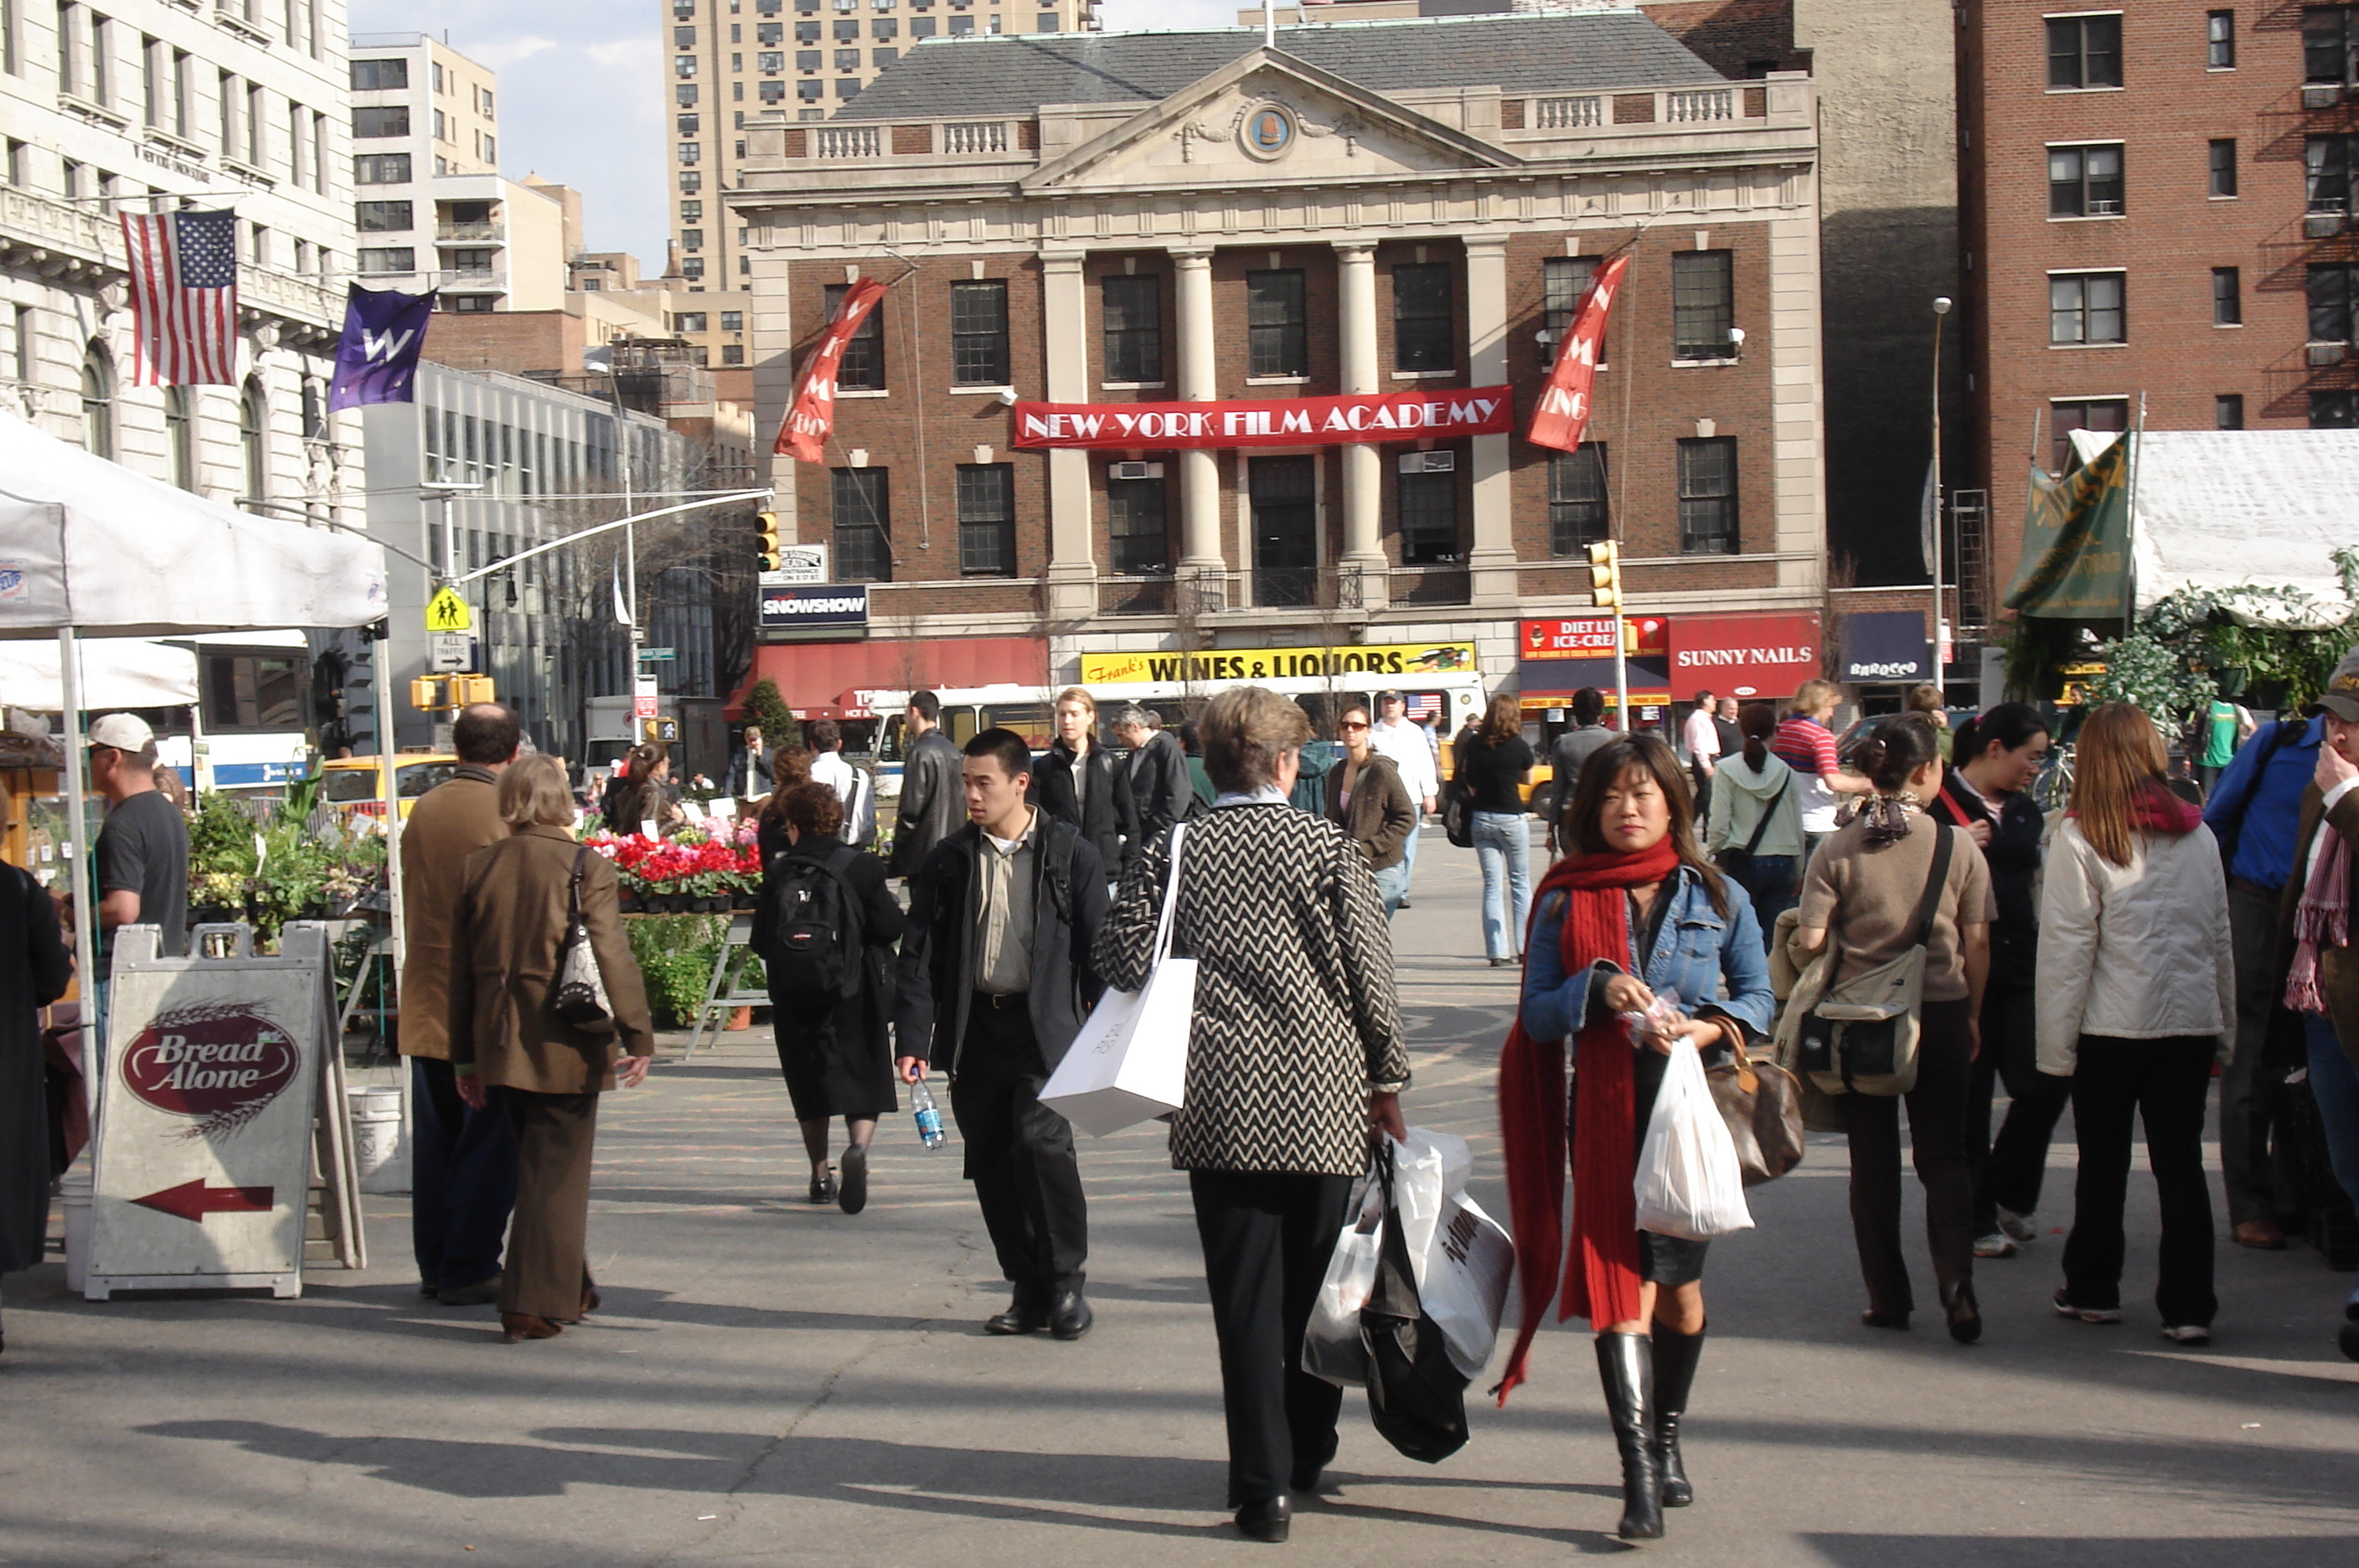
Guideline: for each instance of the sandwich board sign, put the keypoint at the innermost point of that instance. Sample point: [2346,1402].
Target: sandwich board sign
[201,1174]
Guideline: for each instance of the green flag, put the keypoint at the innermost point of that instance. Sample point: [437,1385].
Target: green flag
[2076,533]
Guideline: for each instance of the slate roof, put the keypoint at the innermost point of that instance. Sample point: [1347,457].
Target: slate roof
[1013,74]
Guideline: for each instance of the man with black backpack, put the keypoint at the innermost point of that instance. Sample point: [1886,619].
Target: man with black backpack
[996,980]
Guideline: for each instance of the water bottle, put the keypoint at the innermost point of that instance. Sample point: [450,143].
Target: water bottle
[929,1118]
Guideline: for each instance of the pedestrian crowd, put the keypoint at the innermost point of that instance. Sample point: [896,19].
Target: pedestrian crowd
[1889,923]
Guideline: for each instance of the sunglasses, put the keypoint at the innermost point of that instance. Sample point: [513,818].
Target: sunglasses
[1354,724]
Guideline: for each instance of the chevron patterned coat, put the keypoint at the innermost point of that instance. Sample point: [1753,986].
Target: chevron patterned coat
[1297,1017]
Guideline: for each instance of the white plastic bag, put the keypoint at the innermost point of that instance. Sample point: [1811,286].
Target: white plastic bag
[1462,1258]
[1332,1346]
[1689,1183]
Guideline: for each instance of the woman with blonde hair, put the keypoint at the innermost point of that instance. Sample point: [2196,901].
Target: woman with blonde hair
[1079,781]
[2137,1001]
[509,1047]
[1495,763]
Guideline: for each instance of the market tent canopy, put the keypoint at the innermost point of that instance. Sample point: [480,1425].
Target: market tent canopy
[88,544]
[830,679]
[116,672]
[2218,509]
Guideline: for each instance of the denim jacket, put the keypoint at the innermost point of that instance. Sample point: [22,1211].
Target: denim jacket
[1715,962]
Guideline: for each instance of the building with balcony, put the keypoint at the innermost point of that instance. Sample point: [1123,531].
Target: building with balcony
[615,300]
[729,62]
[1409,206]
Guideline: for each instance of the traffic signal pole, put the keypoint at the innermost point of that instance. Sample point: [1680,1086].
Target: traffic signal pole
[1605,588]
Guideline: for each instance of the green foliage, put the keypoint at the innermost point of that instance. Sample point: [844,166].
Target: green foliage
[2143,670]
[767,709]
[221,837]
[675,954]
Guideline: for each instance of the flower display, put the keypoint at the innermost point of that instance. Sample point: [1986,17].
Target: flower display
[693,865]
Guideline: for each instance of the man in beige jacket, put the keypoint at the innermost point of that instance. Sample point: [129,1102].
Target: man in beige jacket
[463,1162]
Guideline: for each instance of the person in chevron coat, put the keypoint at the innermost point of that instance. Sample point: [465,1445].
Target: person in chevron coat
[1295,1051]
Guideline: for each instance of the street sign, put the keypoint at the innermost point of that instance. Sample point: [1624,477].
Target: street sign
[446,612]
[659,655]
[797,563]
[644,706]
[450,653]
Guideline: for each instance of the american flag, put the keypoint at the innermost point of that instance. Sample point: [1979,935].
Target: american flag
[184,297]
[1423,706]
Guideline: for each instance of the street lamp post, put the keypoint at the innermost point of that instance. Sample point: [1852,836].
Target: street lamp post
[1940,615]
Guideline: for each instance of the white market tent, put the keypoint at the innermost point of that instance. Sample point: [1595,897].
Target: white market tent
[88,547]
[116,672]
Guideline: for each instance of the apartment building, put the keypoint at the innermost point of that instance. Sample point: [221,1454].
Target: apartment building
[730,62]
[615,300]
[430,207]
[2156,210]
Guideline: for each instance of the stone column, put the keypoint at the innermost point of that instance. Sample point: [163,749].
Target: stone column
[1073,574]
[1491,564]
[1200,472]
[1363,464]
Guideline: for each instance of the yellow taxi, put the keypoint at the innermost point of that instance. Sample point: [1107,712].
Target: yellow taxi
[355,785]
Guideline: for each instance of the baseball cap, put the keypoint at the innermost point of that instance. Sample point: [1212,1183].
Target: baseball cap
[2341,697]
[123,732]
[1384,697]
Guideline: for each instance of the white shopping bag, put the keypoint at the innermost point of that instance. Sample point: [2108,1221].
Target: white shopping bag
[1129,1064]
[1462,1258]
[1332,1346]
[1689,1183]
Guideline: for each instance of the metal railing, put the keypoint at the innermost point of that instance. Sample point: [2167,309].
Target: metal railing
[489,229]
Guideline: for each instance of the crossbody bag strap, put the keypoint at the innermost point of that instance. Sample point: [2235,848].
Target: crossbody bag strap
[1931,903]
[1170,900]
[574,893]
[1761,826]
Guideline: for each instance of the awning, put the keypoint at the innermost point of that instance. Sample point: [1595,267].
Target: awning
[1753,658]
[827,679]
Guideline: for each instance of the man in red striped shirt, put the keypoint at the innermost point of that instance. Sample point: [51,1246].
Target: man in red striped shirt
[1806,745]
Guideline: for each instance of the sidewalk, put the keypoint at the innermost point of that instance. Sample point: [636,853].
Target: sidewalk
[774,1383]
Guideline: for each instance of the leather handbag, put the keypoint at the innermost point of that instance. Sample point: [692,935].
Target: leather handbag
[1861,1036]
[1761,1104]
[579,997]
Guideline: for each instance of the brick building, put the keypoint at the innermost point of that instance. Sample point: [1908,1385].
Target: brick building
[1371,207]
[2154,203]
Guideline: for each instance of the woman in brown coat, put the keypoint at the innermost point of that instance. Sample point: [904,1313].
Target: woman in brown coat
[1367,799]
[506,1045]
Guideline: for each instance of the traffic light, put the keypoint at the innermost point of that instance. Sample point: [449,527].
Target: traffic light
[470,688]
[425,691]
[773,553]
[1605,574]
[660,732]
[1629,637]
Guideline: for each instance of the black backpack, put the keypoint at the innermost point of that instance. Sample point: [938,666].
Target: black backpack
[811,921]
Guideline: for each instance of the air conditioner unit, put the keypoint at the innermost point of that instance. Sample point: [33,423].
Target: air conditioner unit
[1135,471]
[2329,352]
[2323,226]
[2325,97]
[1428,462]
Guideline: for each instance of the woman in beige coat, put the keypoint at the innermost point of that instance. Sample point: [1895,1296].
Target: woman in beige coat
[507,1047]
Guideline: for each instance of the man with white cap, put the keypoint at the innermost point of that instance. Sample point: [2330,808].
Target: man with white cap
[143,850]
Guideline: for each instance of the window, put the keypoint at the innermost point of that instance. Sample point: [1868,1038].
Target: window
[922,27]
[847,59]
[979,334]
[1136,528]
[1563,280]
[772,92]
[2326,164]
[1284,492]
[1428,519]
[1133,311]
[688,320]
[2223,167]
[693,268]
[733,354]
[254,690]
[1424,318]
[685,94]
[2334,292]
[2336,411]
[102,60]
[690,183]
[683,65]
[471,304]
[811,92]
[2228,411]
[2084,51]
[2329,40]
[862,366]
[2227,298]
[808,59]
[2220,40]
[691,211]
[97,402]
[1708,496]
[986,520]
[1046,22]
[884,29]
[253,441]
[1278,324]
[960,26]
[391,258]
[441,128]
[179,435]
[315,408]
[2085,308]
[392,120]
[2108,414]
[1578,517]
[683,37]
[2084,181]
[847,88]
[881,58]
[380,75]
[688,152]
[1703,304]
[153,69]
[686,125]
[471,259]
[733,320]
[381,168]
[770,33]
[847,32]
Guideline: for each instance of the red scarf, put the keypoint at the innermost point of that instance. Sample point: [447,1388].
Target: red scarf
[1601,1268]
[2156,810]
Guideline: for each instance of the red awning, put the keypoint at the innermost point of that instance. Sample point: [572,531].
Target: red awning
[825,680]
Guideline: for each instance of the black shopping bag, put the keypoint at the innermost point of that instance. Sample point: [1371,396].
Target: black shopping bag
[1416,1397]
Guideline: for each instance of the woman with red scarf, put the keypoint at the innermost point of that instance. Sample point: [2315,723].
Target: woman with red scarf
[1633,912]
[2137,999]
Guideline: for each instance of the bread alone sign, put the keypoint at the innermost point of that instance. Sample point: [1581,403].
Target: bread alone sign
[1753,658]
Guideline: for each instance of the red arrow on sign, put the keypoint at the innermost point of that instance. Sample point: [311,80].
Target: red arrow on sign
[193,1201]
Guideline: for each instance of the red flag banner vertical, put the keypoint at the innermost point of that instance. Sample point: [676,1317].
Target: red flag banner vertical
[1563,411]
[803,433]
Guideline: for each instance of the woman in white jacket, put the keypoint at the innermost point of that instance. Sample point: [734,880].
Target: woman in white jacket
[2137,1001]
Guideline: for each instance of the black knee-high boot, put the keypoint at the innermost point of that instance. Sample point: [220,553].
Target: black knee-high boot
[1625,1365]
[1675,1365]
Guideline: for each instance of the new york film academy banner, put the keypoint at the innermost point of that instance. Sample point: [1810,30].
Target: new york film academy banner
[802,435]
[1285,421]
[1563,413]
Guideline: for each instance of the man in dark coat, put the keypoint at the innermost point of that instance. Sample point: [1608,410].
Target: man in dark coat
[996,980]
[1161,788]
[933,801]
[34,970]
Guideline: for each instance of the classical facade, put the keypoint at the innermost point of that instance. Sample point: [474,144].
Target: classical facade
[1381,207]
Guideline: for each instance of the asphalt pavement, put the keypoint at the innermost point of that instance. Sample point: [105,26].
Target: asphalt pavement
[769,1382]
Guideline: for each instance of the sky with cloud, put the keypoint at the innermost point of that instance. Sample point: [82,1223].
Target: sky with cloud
[581,91]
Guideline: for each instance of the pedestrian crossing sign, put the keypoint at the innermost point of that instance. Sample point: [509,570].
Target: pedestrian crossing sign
[446,612]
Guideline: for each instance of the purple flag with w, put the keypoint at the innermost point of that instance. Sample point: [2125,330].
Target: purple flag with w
[376,359]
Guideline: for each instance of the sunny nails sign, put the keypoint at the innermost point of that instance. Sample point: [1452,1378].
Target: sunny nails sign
[1289,421]
[1745,657]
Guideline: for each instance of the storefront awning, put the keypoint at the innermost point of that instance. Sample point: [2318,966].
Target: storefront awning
[828,680]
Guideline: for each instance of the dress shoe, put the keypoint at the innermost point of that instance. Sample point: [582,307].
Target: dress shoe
[1069,1318]
[852,1193]
[1306,1475]
[515,1326]
[1874,1319]
[1270,1519]
[1021,1317]
[1965,1317]
[823,1187]
[427,1289]
[2261,1234]
[591,1301]
[482,1294]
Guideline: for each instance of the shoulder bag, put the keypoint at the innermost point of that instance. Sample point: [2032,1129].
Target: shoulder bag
[1457,801]
[1861,1036]
[1129,1064]
[1761,1104]
[1736,864]
[579,997]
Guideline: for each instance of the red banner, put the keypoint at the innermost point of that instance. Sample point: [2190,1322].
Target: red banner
[1564,410]
[803,434]
[1286,421]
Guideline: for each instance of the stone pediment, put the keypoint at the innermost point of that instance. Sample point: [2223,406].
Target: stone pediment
[1267,116]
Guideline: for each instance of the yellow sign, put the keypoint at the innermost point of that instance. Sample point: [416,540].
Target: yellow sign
[1390,663]
[446,612]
